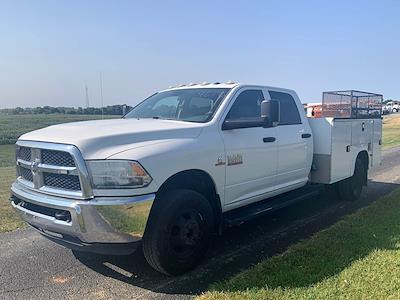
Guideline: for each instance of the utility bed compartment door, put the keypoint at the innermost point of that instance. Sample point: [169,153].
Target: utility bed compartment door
[376,143]
[341,156]
[361,133]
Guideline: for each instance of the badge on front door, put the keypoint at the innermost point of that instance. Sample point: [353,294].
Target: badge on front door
[235,159]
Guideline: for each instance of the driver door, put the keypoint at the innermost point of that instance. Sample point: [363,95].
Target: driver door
[251,153]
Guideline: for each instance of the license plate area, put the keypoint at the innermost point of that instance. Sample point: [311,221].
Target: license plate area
[58,214]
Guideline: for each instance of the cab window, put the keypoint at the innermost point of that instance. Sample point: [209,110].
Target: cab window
[289,114]
[247,105]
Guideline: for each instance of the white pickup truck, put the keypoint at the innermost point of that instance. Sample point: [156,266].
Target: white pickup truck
[182,164]
[393,106]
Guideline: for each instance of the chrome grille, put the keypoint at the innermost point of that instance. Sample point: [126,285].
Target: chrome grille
[65,182]
[26,174]
[57,158]
[24,153]
[52,168]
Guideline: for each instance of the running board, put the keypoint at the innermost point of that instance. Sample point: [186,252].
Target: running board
[242,214]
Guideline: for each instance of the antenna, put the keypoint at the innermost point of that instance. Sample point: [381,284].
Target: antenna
[101,96]
[87,95]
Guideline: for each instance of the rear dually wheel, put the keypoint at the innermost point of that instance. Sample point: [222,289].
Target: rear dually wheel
[350,188]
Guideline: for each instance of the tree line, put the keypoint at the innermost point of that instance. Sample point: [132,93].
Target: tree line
[107,110]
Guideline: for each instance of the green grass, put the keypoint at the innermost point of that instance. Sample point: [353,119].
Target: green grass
[357,258]
[391,137]
[391,131]
[7,155]
[13,126]
[8,219]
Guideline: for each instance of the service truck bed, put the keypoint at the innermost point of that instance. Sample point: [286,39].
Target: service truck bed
[337,143]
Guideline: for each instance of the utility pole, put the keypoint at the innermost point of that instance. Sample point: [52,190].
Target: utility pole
[101,96]
[87,96]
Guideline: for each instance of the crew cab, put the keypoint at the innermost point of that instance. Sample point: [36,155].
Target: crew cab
[185,162]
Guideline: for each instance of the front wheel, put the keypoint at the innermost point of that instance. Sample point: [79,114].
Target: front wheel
[178,232]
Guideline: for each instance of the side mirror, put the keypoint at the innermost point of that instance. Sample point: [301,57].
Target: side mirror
[270,112]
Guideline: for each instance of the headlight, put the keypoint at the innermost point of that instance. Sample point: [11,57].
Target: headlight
[117,174]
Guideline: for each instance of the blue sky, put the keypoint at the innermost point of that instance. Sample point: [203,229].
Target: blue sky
[49,50]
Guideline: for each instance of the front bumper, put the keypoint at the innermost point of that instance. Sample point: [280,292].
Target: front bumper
[107,225]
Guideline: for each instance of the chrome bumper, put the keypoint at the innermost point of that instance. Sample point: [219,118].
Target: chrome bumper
[85,224]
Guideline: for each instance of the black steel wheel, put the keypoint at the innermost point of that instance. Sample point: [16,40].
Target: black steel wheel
[186,233]
[178,232]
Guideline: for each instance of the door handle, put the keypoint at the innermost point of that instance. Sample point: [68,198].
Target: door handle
[269,139]
[306,135]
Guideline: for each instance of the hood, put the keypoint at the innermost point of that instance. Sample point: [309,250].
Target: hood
[102,138]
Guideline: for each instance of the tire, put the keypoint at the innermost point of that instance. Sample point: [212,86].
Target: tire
[350,189]
[178,232]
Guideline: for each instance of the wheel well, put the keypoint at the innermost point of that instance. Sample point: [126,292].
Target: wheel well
[199,181]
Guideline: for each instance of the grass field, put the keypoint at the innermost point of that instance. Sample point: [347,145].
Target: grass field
[7,155]
[13,126]
[8,220]
[391,131]
[357,258]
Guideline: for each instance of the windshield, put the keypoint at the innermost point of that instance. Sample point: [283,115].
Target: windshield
[192,105]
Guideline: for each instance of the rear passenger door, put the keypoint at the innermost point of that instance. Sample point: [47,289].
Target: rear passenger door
[294,140]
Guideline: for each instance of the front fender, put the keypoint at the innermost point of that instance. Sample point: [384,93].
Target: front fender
[176,155]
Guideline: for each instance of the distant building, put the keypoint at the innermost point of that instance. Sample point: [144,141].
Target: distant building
[313,110]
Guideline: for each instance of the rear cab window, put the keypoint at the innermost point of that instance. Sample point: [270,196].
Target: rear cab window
[289,113]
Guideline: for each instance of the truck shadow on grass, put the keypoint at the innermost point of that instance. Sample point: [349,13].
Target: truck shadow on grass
[241,247]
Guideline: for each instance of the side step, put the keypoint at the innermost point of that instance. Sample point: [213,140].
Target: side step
[240,215]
